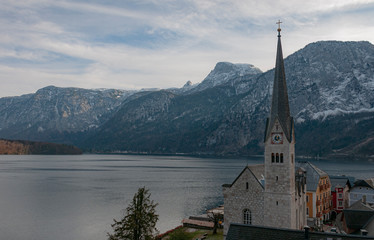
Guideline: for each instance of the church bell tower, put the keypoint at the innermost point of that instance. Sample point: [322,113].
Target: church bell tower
[280,209]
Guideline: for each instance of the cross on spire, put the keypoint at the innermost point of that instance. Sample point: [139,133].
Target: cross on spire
[279,27]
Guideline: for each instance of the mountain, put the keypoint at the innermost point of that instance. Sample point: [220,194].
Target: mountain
[225,72]
[57,114]
[330,86]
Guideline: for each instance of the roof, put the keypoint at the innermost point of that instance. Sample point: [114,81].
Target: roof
[249,232]
[280,108]
[365,183]
[339,181]
[313,174]
[197,223]
[359,205]
[257,171]
[357,219]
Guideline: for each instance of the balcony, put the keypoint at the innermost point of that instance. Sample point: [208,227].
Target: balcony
[327,210]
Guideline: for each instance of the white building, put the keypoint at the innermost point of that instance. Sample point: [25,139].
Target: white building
[362,189]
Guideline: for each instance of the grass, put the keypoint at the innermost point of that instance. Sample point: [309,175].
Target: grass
[193,234]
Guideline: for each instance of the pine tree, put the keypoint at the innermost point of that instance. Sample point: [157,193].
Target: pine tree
[140,220]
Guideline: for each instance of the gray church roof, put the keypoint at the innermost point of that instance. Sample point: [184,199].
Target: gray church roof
[313,174]
[280,108]
[257,170]
[251,232]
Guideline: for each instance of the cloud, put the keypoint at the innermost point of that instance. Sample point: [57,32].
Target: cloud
[163,43]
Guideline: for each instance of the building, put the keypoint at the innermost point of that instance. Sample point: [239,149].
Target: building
[340,186]
[318,195]
[362,189]
[358,219]
[271,194]
[251,232]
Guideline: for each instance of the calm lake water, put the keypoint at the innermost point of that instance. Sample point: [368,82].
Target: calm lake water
[77,197]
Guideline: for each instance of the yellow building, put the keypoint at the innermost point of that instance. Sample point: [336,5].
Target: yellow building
[318,196]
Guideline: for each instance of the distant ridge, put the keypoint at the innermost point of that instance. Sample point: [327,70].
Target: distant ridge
[330,88]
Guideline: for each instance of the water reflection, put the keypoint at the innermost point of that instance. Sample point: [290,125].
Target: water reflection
[77,197]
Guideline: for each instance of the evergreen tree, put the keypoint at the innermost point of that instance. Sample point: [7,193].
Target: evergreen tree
[140,220]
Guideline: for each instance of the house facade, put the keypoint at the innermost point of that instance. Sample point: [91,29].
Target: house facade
[362,189]
[318,196]
[340,186]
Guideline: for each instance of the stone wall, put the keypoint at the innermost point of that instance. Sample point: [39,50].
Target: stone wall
[238,197]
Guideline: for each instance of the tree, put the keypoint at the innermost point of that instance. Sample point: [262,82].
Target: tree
[140,220]
[215,216]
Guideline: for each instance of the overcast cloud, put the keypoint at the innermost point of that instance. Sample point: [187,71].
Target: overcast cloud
[133,44]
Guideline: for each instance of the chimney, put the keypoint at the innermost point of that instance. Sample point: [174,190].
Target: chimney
[306,233]
[363,232]
[364,199]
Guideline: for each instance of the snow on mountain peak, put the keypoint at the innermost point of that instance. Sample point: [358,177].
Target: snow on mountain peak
[226,71]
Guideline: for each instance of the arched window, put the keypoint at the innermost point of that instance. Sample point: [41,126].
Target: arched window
[281,157]
[272,157]
[247,217]
[277,157]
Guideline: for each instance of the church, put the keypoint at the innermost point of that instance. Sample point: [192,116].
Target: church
[271,194]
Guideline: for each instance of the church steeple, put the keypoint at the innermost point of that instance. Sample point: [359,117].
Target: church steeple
[279,106]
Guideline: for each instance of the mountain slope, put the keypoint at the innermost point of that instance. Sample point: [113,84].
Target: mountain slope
[54,114]
[329,82]
[330,86]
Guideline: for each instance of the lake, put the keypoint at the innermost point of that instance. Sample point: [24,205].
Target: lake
[77,197]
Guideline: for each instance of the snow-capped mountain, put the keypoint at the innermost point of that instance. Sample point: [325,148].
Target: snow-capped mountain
[330,86]
[225,72]
[52,112]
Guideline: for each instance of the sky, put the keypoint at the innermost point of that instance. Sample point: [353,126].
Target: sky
[135,44]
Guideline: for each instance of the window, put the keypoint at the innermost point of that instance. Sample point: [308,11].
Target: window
[247,217]
[272,157]
[277,203]
[281,157]
[276,178]
[340,195]
[340,203]
[246,185]
[307,198]
[292,158]
[307,211]
[277,158]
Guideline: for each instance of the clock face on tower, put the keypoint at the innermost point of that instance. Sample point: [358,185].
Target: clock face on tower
[277,138]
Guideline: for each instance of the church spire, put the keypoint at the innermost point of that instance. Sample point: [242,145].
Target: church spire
[279,106]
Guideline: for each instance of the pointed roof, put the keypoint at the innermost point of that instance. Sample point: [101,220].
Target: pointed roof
[313,174]
[257,171]
[280,108]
